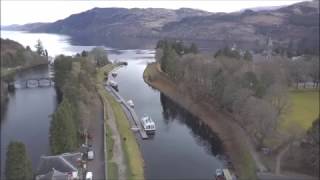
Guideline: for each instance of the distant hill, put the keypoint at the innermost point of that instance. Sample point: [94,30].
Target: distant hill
[295,26]
[25,27]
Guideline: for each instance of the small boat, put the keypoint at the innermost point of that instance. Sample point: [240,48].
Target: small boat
[113,83]
[130,103]
[114,74]
[219,174]
[148,124]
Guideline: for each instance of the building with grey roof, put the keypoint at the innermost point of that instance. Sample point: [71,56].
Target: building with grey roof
[63,166]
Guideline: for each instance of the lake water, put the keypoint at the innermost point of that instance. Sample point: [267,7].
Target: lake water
[182,148]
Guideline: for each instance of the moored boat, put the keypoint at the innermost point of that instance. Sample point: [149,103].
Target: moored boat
[114,74]
[130,103]
[148,124]
[113,83]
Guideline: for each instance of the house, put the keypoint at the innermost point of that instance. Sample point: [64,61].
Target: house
[64,166]
[54,175]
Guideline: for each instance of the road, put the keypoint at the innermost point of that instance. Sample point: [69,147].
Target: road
[97,166]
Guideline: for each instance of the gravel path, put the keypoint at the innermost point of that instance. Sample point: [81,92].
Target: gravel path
[118,155]
[279,158]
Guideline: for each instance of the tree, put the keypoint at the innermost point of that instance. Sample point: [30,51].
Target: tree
[18,165]
[63,134]
[247,56]
[298,71]
[45,53]
[39,48]
[28,48]
[193,48]
[100,56]
[314,71]
[84,53]
[277,95]
[261,118]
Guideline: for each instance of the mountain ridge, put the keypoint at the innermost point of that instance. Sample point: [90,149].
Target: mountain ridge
[295,25]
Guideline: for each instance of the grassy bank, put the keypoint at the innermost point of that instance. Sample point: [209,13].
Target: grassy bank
[240,155]
[130,146]
[303,109]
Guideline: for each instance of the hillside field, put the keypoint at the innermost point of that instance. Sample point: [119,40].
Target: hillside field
[303,109]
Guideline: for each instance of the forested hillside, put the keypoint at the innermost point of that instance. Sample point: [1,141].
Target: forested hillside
[295,27]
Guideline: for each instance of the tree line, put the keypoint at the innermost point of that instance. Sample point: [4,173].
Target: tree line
[18,164]
[254,92]
[75,84]
[13,54]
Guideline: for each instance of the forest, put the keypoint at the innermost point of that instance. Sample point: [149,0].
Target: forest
[254,91]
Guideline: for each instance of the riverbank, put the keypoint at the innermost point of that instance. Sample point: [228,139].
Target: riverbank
[235,141]
[123,141]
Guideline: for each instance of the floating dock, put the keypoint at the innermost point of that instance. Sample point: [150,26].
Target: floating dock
[128,110]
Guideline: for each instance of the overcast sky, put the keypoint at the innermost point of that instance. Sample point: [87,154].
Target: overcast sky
[21,12]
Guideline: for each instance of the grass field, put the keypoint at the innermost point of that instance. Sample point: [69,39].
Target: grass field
[133,155]
[303,109]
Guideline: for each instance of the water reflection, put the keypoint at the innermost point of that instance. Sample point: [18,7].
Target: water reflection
[201,132]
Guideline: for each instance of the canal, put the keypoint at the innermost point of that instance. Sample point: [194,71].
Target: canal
[26,116]
[182,148]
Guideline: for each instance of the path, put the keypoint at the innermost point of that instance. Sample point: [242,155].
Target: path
[118,155]
[97,165]
[130,113]
[279,158]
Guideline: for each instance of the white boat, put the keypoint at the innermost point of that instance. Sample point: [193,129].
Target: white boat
[114,74]
[113,83]
[148,124]
[130,103]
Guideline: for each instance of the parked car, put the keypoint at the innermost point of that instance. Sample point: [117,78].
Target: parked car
[89,176]
[90,153]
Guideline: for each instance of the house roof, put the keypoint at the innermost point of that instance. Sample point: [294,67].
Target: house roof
[53,175]
[64,163]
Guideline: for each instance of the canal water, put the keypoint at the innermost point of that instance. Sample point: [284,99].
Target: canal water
[182,147]
[26,117]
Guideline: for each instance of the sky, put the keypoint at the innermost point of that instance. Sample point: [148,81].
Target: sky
[22,12]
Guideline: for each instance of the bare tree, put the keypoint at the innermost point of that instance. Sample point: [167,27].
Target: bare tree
[277,95]
[262,119]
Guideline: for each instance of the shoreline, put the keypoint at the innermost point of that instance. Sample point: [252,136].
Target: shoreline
[17,69]
[235,143]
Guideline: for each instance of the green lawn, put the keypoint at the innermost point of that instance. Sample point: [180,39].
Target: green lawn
[303,109]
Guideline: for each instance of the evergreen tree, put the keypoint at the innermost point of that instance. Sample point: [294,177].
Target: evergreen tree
[39,48]
[193,49]
[63,134]
[84,53]
[247,56]
[18,165]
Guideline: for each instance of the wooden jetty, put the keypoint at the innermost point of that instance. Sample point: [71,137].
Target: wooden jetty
[128,110]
